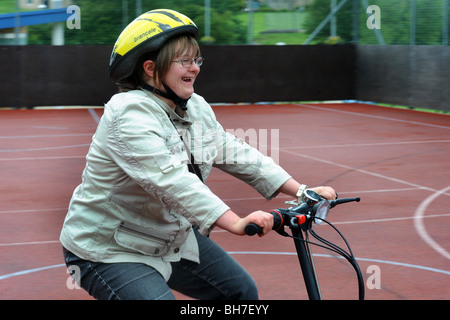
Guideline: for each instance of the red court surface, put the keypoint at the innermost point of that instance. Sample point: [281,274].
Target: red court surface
[396,160]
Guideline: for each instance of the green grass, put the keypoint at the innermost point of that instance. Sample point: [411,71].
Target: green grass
[275,21]
[7,6]
[414,108]
[274,38]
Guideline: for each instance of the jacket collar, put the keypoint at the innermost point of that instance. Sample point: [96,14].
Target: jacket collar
[172,114]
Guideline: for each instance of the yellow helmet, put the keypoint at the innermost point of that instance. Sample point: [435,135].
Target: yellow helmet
[146,33]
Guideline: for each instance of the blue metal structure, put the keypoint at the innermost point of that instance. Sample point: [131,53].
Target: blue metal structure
[27,18]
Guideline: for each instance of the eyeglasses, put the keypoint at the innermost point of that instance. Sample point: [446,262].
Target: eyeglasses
[188,62]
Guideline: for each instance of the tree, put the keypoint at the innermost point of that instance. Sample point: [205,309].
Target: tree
[103,20]
[396,21]
[317,12]
[225,28]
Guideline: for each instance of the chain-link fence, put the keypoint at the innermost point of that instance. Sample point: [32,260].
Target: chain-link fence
[265,22]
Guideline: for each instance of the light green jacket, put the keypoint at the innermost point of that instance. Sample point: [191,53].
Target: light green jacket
[137,201]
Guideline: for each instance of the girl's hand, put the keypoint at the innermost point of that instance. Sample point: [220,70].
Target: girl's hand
[236,225]
[326,192]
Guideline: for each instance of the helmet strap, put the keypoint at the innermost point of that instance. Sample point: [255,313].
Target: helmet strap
[169,94]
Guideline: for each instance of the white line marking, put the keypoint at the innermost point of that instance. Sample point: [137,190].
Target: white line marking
[20,273]
[41,158]
[362,171]
[374,116]
[408,265]
[392,219]
[282,196]
[27,243]
[40,136]
[380,190]
[52,128]
[418,223]
[47,148]
[94,115]
[23,272]
[374,144]
[33,210]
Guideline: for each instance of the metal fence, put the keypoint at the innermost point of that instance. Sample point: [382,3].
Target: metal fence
[421,22]
[399,22]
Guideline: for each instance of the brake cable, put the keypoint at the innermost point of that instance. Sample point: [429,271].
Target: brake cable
[340,251]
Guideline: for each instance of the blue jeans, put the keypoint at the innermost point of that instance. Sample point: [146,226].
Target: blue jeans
[218,276]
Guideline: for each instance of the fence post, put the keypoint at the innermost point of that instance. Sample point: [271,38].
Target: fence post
[445,24]
[413,21]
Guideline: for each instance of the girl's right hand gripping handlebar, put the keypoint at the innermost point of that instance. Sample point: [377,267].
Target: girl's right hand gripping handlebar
[252,228]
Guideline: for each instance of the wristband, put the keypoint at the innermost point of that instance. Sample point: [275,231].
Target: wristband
[300,192]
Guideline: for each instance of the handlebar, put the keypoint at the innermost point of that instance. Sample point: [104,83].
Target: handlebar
[334,203]
[313,208]
[295,216]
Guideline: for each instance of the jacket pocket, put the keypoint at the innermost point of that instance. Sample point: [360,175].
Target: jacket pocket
[144,240]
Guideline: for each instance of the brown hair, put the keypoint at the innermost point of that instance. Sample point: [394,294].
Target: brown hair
[163,58]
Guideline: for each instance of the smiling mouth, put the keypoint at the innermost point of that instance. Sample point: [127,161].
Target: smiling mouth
[186,79]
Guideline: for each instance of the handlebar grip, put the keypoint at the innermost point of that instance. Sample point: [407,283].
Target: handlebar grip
[252,228]
[334,203]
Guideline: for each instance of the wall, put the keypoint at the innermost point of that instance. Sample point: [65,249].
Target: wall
[77,75]
[276,73]
[415,76]
[54,75]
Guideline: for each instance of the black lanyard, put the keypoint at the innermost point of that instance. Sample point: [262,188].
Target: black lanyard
[192,165]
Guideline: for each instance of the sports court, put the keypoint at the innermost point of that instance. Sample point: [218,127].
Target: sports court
[396,160]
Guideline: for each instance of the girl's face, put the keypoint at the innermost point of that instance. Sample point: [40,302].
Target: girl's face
[181,78]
